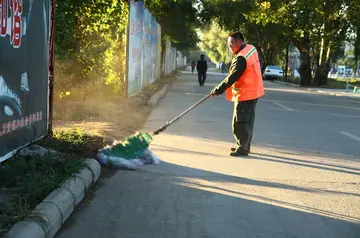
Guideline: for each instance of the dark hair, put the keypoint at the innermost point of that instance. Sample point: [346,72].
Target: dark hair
[237,35]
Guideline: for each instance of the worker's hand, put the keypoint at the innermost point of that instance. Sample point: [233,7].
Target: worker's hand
[214,92]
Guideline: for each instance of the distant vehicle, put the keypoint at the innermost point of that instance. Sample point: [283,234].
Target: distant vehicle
[296,73]
[272,72]
[341,71]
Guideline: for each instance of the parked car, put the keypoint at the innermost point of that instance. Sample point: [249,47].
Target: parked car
[272,72]
[296,73]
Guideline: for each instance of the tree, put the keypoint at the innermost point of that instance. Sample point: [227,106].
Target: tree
[357,49]
[294,18]
[314,27]
[354,19]
[90,35]
[178,20]
[333,30]
[214,43]
[267,38]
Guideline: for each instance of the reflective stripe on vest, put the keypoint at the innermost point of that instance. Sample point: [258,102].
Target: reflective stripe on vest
[250,53]
[235,90]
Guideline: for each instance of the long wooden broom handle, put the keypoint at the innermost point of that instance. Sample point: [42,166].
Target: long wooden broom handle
[181,115]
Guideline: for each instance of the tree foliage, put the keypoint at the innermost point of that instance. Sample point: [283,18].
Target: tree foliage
[354,20]
[214,42]
[178,20]
[237,16]
[317,28]
[91,39]
[91,35]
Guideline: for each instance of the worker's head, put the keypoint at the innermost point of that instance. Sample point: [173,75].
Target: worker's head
[235,41]
[202,57]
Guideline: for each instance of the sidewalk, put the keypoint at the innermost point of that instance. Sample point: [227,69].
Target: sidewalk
[328,91]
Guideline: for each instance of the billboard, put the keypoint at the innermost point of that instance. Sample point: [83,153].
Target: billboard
[144,48]
[170,58]
[24,71]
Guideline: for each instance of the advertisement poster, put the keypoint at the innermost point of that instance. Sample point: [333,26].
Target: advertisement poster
[144,48]
[146,52]
[24,64]
[155,47]
[135,47]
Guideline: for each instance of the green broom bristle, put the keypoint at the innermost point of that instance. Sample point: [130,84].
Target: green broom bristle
[130,148]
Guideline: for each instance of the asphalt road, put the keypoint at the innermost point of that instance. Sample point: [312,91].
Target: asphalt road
[301,180]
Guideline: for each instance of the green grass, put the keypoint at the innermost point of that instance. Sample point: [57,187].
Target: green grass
[340,83]
[74,142]
[31,179]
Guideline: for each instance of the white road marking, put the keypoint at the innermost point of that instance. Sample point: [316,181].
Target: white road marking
[326,105]
[283,106]
[350,135]
[342,115]
[312,104]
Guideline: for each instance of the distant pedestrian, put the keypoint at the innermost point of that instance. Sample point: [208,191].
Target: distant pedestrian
[223,67]
[201,67]
[193,64]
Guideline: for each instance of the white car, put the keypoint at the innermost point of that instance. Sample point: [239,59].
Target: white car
[272,72]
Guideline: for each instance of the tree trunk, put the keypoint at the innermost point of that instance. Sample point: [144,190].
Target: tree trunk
[323,68]
[269,57]
[303,45]
[357,50]
[287,62]
[305,69]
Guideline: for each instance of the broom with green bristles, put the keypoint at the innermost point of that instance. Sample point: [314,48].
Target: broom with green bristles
[134,150]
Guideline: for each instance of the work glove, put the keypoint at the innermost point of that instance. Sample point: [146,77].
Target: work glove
[215,92]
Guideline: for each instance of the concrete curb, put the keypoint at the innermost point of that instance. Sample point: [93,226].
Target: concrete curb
[287,84]
[317,90]
[48,217]
[154,99]
[334,93]
[157,96]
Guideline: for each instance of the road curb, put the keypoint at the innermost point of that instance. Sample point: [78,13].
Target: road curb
[287,84]
[155,98]
[316,90]
[48,217]
[333,93]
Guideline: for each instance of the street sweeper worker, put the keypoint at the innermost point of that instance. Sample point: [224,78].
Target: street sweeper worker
[244,86]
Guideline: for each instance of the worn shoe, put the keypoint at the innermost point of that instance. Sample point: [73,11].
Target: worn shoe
[234,149]
[239,153]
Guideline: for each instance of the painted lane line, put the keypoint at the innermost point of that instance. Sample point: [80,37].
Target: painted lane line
[326,105]
[350,135]
[313,104]
[283,106]
[342,115]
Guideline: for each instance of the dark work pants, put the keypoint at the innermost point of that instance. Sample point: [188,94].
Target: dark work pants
[201,78]
[243,123]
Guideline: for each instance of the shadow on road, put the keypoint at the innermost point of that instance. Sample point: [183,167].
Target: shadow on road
[183,197]
[201,204]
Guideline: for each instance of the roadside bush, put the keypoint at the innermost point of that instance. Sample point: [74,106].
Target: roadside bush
[90,48]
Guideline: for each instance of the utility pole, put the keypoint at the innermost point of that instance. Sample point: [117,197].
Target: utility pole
[51,67]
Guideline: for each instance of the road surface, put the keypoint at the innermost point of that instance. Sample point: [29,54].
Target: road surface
[302,179]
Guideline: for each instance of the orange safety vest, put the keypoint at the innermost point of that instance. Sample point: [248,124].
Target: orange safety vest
[249,86]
